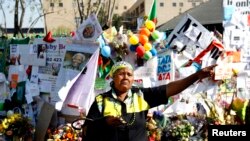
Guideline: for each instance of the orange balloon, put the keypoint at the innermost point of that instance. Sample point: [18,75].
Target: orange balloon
[143,39]
[144,31]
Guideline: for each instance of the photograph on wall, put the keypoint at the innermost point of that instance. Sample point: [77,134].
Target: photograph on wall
[26,54]
[90,29]
[41,51]
[75,60]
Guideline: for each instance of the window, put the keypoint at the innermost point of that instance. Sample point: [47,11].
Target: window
[174,4]
[136,11]
[116,7]
[161,4]
[181,4]
[52,4]
[60,4]
[142,7]
[125,7]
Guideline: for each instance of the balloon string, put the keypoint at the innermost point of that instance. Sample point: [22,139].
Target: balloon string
[105,42]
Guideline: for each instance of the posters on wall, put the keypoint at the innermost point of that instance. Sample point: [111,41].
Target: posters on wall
[45,76]
[27,54]
[194,47]
[165,68]
[70,77]
[189,36]
[79,93]
[235,38]
[67,71]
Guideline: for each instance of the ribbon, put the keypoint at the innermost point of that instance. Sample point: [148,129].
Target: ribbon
[198,58]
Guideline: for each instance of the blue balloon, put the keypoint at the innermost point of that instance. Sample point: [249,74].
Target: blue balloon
[133,48]
[153,52]
[106,51]
[101,41]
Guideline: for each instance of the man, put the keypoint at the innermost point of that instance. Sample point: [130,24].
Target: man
[76,63]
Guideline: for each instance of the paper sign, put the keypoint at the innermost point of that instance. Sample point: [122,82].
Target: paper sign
[90,29]
[223,72]
[29,98]
[192,30]
[14,80]
[228,11]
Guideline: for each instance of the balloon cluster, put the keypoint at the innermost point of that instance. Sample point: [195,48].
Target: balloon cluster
[141,43]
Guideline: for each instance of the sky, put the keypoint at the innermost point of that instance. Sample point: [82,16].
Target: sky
[30,16]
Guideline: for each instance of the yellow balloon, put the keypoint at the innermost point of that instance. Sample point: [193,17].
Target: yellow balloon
[133,40]
[150,25]
[147,46]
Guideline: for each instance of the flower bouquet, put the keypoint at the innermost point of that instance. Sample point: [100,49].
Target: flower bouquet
[184,127]
[17,126]
[64,132]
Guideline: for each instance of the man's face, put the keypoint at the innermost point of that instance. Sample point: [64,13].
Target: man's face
[123,79]
[77,60]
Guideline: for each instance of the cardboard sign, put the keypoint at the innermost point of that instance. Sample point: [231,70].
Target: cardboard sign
[191,34]
[43,122]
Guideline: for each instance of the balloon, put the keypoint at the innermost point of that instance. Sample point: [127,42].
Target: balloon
[155,34]
[150,25]
[133,47]
[140,51]
[144,31]
[147,55]
[147,46]
[143,39]
[101,41]
[153,52]
[106,51]
[133,40]
[100,60]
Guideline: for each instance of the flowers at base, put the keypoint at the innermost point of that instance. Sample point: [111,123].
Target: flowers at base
[179,129]
[16,124]
[63,133]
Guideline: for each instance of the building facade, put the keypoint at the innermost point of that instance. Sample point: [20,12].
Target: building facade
[166,10]
[63,15]
[60,16]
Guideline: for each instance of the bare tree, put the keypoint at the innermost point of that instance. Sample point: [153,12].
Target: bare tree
[89,8]
[18,23]
[80,6]
[4,16]
[43,15]
[36,20]
[22,3]
[16,27]
[99,5]
[111,5]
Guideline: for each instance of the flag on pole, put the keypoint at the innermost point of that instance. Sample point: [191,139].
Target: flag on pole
[81,90]
[153,13]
